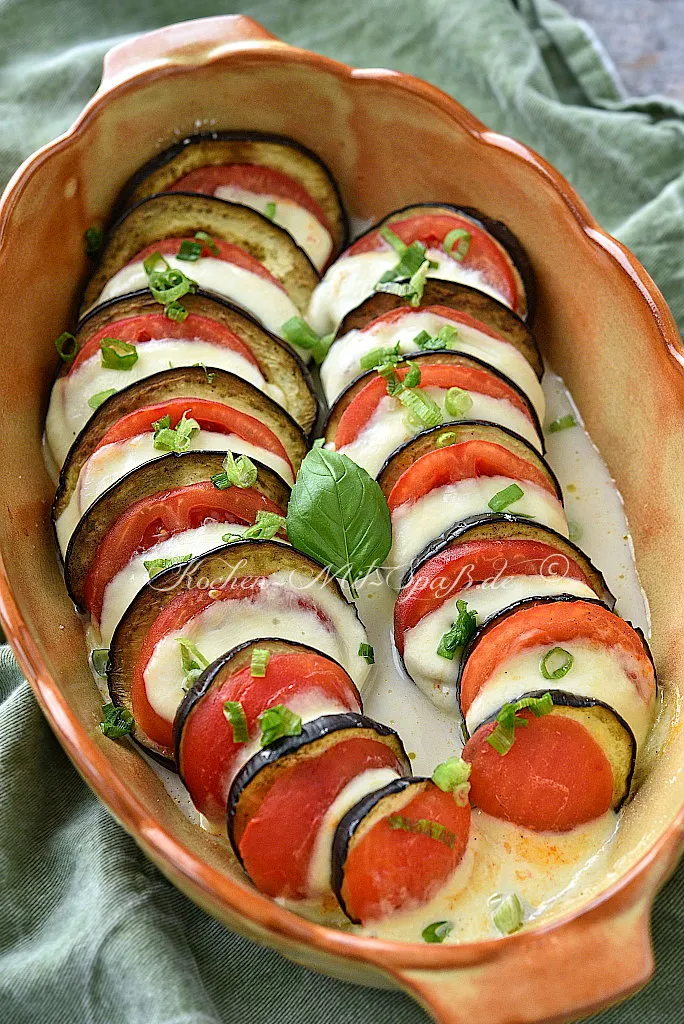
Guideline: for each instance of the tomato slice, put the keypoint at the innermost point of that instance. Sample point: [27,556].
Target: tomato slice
[186,606]
[390,869]
[553,778]
[153,519]
[551,624]
[434,375]
[209,756]
[466,565]
[278,842]
[485,255]
[465,461]
[252,178]
[226,251]
[136,330]
[212,416]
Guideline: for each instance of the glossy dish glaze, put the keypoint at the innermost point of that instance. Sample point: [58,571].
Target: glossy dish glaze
[186,73]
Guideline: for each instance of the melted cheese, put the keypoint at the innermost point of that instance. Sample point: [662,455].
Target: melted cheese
[111,462]
[307,230]
[415,524]
[436,676]
[387,427]
[351,279]
[274,612]
[69,410]
[596,672]
[259,296]
[342,363]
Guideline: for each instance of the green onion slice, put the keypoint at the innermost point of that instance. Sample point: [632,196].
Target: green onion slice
[412,377]
[266,526]
[260,659]
[116,722]
[277,722]
[118,355]
[270,210]
[457,243]
[502,736]
[67,347]
[379,357]
[424,827]
[502,499]
[451,773]
[447,438]
[556,663]
[575,531]
[96,400]
[508,913]
[437,931]
[421,406]
[156,565]
[235,715]
[460,633]
[189,251]
[174,439]
[237,472]
[366,651]
[458,403]
[193,662]
[176,311]
[99,659]
[93,238]
[562,423]
[298,332]
[209,242]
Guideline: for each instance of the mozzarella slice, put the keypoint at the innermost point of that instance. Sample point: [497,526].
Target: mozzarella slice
[342,363]
[435,675]
[351,279]
[275,611]
[113,461]
[307,230]
[597,672]
[388,428]
[321,858]
[415,524]
[69,410]
[264,299]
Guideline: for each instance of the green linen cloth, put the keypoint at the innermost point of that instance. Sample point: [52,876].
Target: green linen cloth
[90,933]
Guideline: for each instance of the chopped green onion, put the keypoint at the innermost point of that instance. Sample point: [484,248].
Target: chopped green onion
[437,931]
[189,251]
[458,403]
[99,659]
[562,423]
[93,238]
[502,499]
[556,663]
[235,715]
[412,265]
[457,243]
[447,438]
[118,355]
[393,240]
[174,439]
[116,722]
[298,332]
[502,736]
[260,659]
[379,357]
[240,472]
[168,285]
[412,378]
[209,242]
[444,339]
[193,662]
[96,400]
[447,335]
[151,261]
[156,565]
[176,311]
[367,652]
[210,376]
[574,531]
[451,773]
[421,406]
[424,827]
[67,346]
[277,722]
[266,526]
[394,385]
[460,633]
[508,915]
[270,210]
[417,282]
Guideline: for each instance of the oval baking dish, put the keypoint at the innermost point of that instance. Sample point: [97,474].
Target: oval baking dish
[598,317]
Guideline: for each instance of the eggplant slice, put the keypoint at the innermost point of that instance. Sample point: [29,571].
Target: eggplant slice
[465,430]
[360,818]
[181,214]
[191,382]
[163,474]
[607,728]
[277,361]
[505,526]
[460,297]
[229,562]
[256,777]
[441,358]
[210,149]
[234,661]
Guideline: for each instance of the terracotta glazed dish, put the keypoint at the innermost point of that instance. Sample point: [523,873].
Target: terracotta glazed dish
[600,322]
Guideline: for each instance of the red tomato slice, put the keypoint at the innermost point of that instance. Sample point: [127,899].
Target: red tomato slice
[226,251]
[184,607]
[252,178]
[393,315]
[484,254]
[390,869]
[210,757]
[136,330]
[466,565]
[159,516]
[464,461]
[552,624]
[361,409]
[212,416]
[554,777]
[278,842]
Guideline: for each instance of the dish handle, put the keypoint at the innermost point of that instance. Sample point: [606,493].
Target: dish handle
[188,42]
[591,961]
